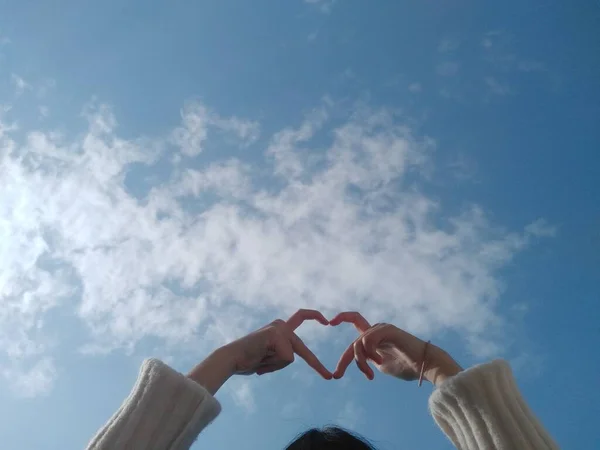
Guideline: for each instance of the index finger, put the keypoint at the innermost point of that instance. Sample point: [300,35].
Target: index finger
[301,315]
[304,352]
[353,317]
[344,362]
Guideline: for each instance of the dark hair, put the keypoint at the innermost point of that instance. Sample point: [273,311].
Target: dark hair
[329,438]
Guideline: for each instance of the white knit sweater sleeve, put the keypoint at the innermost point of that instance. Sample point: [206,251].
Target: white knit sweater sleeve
[482,408]
[164,411]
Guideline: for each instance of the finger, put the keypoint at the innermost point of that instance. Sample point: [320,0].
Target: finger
[344,362]
[307,355]
[371,341]
[352,317]
[306,314]
[360,357]
[283,353]
[267,369]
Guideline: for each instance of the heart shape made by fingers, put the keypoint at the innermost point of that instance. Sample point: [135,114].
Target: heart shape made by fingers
[360,323]
[354,351]
[297,319]
[393,351]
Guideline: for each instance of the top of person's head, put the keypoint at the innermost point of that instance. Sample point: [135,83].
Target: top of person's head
[329,438]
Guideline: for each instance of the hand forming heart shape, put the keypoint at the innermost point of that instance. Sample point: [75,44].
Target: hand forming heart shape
[393,351]
[271,348]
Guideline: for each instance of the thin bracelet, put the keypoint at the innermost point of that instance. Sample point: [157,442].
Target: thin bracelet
[423,361]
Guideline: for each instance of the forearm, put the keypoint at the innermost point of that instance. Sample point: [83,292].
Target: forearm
[482,408]
[165,411]
[214,371]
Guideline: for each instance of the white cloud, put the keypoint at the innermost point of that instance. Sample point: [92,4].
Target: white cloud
[288,158]
[448,45]
[229,177]
[351,415]
[28,382]
[198,120]
[531,66]
[242,394]
[20,84]
[324,6]
[415,88]
[293,409]
[447,68]
[497,87]
[44,111]
[498,50]
[495,38]
[498,57]
[45,86]
[503,61]
[333,218]
[541,228]
[464,168]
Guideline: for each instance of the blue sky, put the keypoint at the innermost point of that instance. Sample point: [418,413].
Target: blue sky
[178,174]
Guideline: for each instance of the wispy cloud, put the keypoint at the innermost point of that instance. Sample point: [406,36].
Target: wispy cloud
[197,120]
[448,45]
[19,84]
[324,6]
[204,251]
[44,87]
[351,415]
[31,380]
[500,52]
[292,409]
[415,88]
[447,68]
[464,168]
[531,66]
[497,56]
[541,228]
[242,394]
[497,87]
[44,111]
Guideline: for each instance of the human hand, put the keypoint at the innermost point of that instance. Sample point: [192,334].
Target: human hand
[393,351]
[273,347]
[265,350]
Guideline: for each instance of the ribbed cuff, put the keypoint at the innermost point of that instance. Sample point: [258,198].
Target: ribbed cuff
[483,408]
[165,410]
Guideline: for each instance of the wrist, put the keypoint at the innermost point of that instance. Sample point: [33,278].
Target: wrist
[441,367]
[215,370]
